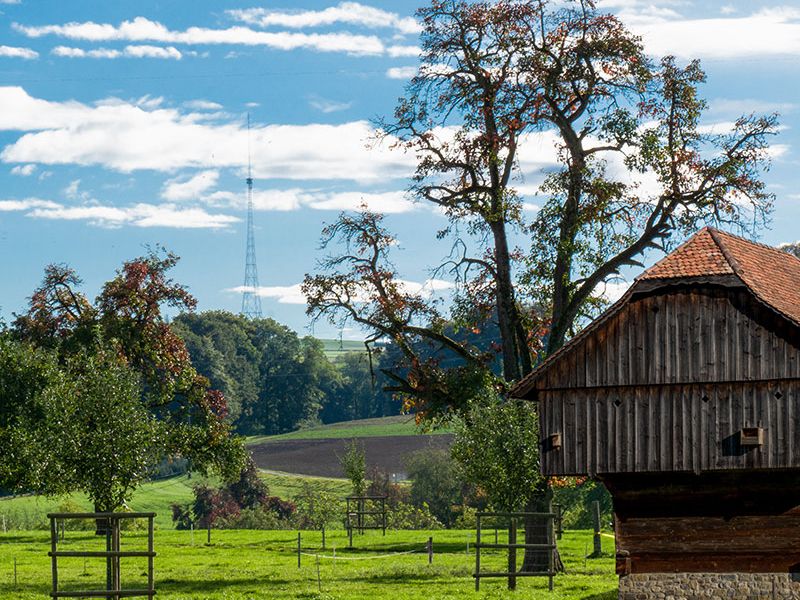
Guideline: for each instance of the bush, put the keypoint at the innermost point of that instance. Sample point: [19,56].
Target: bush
[407,516]
[211,505]
[249,491]
[435,482]
[283,509]
[254,518]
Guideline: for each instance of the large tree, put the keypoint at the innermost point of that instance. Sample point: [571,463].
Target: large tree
[632,169]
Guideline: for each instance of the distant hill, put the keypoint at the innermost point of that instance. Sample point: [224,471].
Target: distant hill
[381,426]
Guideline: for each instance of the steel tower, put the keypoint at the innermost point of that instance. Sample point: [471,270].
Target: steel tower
[251,301]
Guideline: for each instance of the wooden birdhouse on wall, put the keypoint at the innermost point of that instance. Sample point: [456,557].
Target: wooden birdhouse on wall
[683,398]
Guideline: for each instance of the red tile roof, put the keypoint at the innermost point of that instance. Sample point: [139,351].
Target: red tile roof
[771,274]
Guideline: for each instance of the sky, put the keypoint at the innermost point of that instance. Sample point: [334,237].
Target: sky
[123,126]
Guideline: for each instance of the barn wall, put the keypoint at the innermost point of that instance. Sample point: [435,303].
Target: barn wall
[682,335]
[669,428]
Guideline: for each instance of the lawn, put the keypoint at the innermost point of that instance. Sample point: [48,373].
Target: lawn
[155,496]
[245,565]
[381,426]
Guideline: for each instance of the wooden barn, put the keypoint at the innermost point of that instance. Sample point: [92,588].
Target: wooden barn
[683,398]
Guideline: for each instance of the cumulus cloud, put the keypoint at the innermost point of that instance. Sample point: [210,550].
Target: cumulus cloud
[394,202]
[139,215]
[400,51]
[140,51]
[128,136]
[15,52]
[292,294]
[192,188]
[401,72]
[768,32]
[23,170]
[202,105]
[26,204]
[612,290]
[142,29]
[350,13]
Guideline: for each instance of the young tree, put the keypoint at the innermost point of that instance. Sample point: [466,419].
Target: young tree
[126,322]
[354,465]
[435,482]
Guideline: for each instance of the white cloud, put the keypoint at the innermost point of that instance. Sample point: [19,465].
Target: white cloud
[298,198]
[351,13]
[26,204]
[128,136]
[139,51]
[14,52]
[727,9]
[292,294]
[23,170]
[202,105]
[328,106]
[400,51]
[139,215]
[612,290]
[142,29]
[71,191]
[401,72]
[743,106]
[769,32]
[192,188]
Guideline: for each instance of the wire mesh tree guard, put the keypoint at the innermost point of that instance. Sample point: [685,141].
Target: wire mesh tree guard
[511,547]
[110,523]
[363,513]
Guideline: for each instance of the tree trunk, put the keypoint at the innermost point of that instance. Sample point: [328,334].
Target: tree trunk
[536,532]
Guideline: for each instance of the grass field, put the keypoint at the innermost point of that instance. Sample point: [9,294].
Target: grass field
[335,348]
[156,496]
[382,426]
[246,565]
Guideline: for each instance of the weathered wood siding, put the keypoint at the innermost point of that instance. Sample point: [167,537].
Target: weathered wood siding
[693,334]
[670,428]
[667,384]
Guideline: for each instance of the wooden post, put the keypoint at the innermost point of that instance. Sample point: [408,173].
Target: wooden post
[109,560]
[478,554]
[495,535]
[15,572]
[350,534]
[116,575]
[54,558]
[209,533]
[512,555]
[323,537]
[298,549]
[319,578]
[550,552]
[598,547]
[150,590]
[430,550]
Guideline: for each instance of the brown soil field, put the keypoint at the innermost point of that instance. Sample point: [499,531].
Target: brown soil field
[321,457]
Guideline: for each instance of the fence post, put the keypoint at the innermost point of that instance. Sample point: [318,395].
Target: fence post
[323,537]
[15,572]
[559,522]
[53,550]
[209,533]
[512,555]
[298,549]
[598,548]
[430,550]
[478,554]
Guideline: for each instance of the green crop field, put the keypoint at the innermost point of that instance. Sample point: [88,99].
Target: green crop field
[382,426]
[246,565]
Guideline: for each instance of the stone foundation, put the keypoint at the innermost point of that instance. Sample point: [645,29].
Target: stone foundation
[688,586]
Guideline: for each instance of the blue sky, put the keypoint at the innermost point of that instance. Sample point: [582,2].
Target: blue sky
[122,124]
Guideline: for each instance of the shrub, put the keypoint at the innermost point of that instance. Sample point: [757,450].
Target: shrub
[254,518]
[249,491]
[382,485]
[210,505]
[407,516]
[283,509]
[435,482]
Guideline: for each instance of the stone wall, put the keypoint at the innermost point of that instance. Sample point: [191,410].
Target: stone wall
[688,586]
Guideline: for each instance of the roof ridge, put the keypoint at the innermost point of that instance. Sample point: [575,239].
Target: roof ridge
[734,264]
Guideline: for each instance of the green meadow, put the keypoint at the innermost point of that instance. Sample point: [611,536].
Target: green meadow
[247,565]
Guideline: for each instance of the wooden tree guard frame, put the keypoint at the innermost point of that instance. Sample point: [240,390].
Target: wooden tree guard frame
[112,554]
[361,512]
[511,574]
